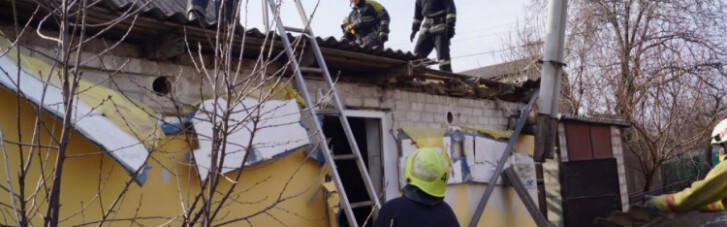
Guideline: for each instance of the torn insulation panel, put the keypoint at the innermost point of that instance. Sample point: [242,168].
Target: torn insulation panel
[480,153]
[88,120]
[266,130]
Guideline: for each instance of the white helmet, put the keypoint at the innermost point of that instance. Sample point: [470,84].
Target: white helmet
[719,134]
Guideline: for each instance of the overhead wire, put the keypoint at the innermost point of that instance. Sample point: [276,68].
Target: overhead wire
[482,35]
[485,52]
[515,47]
[478,29]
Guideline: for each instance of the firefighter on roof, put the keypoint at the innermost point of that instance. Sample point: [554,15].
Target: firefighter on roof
[436,19]
[367,24]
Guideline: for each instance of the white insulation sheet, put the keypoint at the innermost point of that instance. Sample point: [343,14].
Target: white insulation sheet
[272,128]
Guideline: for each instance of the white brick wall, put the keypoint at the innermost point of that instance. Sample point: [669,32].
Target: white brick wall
[420,109]
[409,108]
[618,153]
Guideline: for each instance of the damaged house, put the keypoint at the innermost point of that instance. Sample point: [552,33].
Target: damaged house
[149,101]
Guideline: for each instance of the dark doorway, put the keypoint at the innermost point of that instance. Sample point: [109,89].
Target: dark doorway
[367,137]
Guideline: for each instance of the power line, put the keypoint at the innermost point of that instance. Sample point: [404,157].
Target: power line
[482,35]
[508,48]
[486,52]
[488,27]
[460,38]
[512,48]
[479,29]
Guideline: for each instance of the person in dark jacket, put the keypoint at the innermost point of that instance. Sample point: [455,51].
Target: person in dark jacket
[368,22]
[437,29]
[196,10]
[348,36]
[422,202]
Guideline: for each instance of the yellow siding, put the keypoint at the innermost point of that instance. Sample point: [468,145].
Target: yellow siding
[552,192]
[504,207]
[88,171]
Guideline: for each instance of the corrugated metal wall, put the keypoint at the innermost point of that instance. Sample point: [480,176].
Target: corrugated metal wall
[587,142]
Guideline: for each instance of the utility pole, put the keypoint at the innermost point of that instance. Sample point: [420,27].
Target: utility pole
[266,19]
[547,112]
[550,80]
[549,96]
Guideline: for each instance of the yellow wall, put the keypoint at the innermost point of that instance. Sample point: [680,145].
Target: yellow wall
[504,207]
[159,200]
[553,197]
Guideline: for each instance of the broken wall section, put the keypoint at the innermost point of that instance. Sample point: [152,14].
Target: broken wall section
[416,109]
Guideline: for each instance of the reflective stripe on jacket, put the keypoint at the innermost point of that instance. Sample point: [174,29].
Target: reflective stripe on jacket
[369,17]
[433,16]
[707,195]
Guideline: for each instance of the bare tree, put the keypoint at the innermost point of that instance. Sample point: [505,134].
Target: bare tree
[229,83]
[230,86]
[659,65]
[69,17]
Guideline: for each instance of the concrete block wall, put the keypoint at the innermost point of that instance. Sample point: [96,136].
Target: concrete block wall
[620,166]
[123,69]
[420,109]
[553,196]
[134,77]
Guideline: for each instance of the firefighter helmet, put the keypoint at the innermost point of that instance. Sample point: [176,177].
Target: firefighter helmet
[427,170]
[719,134]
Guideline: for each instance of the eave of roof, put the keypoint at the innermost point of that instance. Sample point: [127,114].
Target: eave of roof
[161,17]
[174,11]
[502,69]
[596,120]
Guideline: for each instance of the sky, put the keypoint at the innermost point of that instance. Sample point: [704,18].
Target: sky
[482,30]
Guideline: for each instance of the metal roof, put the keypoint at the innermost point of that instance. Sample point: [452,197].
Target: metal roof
[167,10]
[593,119]
[160,18]
[174,11]
[512,72]
[502,69]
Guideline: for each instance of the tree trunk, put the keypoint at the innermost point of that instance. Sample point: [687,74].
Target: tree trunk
[648,180]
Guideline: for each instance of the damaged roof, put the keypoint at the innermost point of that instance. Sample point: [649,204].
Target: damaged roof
[175,10]
[163,19]
[168,10]
[605,120]
[511,72]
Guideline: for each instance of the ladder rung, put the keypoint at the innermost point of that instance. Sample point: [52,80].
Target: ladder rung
[362,204]
[344,157]
[327,111]
[311,70]
[313,113]
[292,29]
[330,113]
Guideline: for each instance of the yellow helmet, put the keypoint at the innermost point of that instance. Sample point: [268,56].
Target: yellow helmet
[719,134]
[427,170]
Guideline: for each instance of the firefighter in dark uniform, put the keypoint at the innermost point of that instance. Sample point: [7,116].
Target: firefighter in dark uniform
[422,201]
[438,17]
[367,24]
[348,36]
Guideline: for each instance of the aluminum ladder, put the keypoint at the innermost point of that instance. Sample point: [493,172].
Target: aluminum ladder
[511,175]
[307,33]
